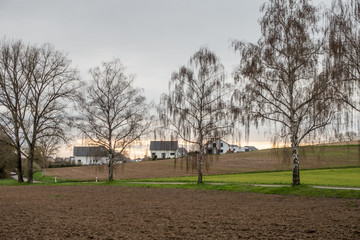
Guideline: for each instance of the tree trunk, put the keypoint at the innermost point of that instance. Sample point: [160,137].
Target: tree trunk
[200,170]
[295,156]
[111,168]
[30,165]
[43,162]
[19,167]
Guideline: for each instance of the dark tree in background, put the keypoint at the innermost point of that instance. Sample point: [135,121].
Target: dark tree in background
[46,146]
[280,75]
[113,113]
[8,156]
[196,108]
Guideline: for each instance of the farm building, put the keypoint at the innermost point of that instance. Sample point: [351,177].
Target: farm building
[90,155]
[217,146]
[222,147]
[182,152]
[236,148]
[167,149]
[250,148]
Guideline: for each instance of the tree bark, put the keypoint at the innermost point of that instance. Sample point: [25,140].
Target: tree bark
[200,168]
[111,167]
[19,167]
[30,165]
[295,156]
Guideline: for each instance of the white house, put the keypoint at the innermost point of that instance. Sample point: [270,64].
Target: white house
[221,147]
[217,146]
[90,155]
[236,148]
[250,148]
[182,152]
[166,149]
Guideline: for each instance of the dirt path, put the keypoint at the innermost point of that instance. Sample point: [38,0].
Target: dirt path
[24,178]
[112,212]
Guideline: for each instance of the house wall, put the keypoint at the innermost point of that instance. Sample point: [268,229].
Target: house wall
[89,160]
[164,153]
[221,145]
[236,149]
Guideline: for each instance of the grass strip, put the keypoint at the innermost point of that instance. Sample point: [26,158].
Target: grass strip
[340,177]
[302,190]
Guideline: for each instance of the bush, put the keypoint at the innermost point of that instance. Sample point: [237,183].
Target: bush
[3,172]
[36,167]
[7,160]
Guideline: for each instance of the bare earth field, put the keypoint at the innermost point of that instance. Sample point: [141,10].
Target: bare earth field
[272,159]
[113,212]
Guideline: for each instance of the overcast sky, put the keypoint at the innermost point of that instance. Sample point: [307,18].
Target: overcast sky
[152,38]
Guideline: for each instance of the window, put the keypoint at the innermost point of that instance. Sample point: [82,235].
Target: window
[221,144]
[79,161]
[214,145]
[172,154]
[221,151]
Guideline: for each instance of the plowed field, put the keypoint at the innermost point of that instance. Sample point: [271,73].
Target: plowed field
[112,212]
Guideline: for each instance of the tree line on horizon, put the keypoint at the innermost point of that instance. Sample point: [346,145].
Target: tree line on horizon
[302,75]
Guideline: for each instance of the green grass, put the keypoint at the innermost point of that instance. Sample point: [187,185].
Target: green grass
[301,190]
[47,179]
[9,182]
[342,177]
[38,177]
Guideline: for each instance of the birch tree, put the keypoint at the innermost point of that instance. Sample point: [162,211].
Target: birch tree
[112,112]
[196,108]
[344,50]
[280,75]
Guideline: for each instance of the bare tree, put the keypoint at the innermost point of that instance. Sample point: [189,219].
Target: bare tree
[51,82]
[281,74]
[34,85]
[46,147]
[112,112]
[13,92]
[196,108]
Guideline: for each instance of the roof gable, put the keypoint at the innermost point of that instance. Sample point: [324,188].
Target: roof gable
[252,148]
[94,151]
[163,145]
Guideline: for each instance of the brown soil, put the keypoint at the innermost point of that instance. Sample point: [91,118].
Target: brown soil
[272,159]
[111,212]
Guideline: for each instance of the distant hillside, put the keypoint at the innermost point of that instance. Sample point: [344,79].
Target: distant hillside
[357,142]
[263,160]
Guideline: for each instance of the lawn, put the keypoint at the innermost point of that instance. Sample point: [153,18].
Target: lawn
[343,177]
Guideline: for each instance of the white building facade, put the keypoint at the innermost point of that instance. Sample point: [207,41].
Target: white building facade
[217,146]
[93,155]
[164,149]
